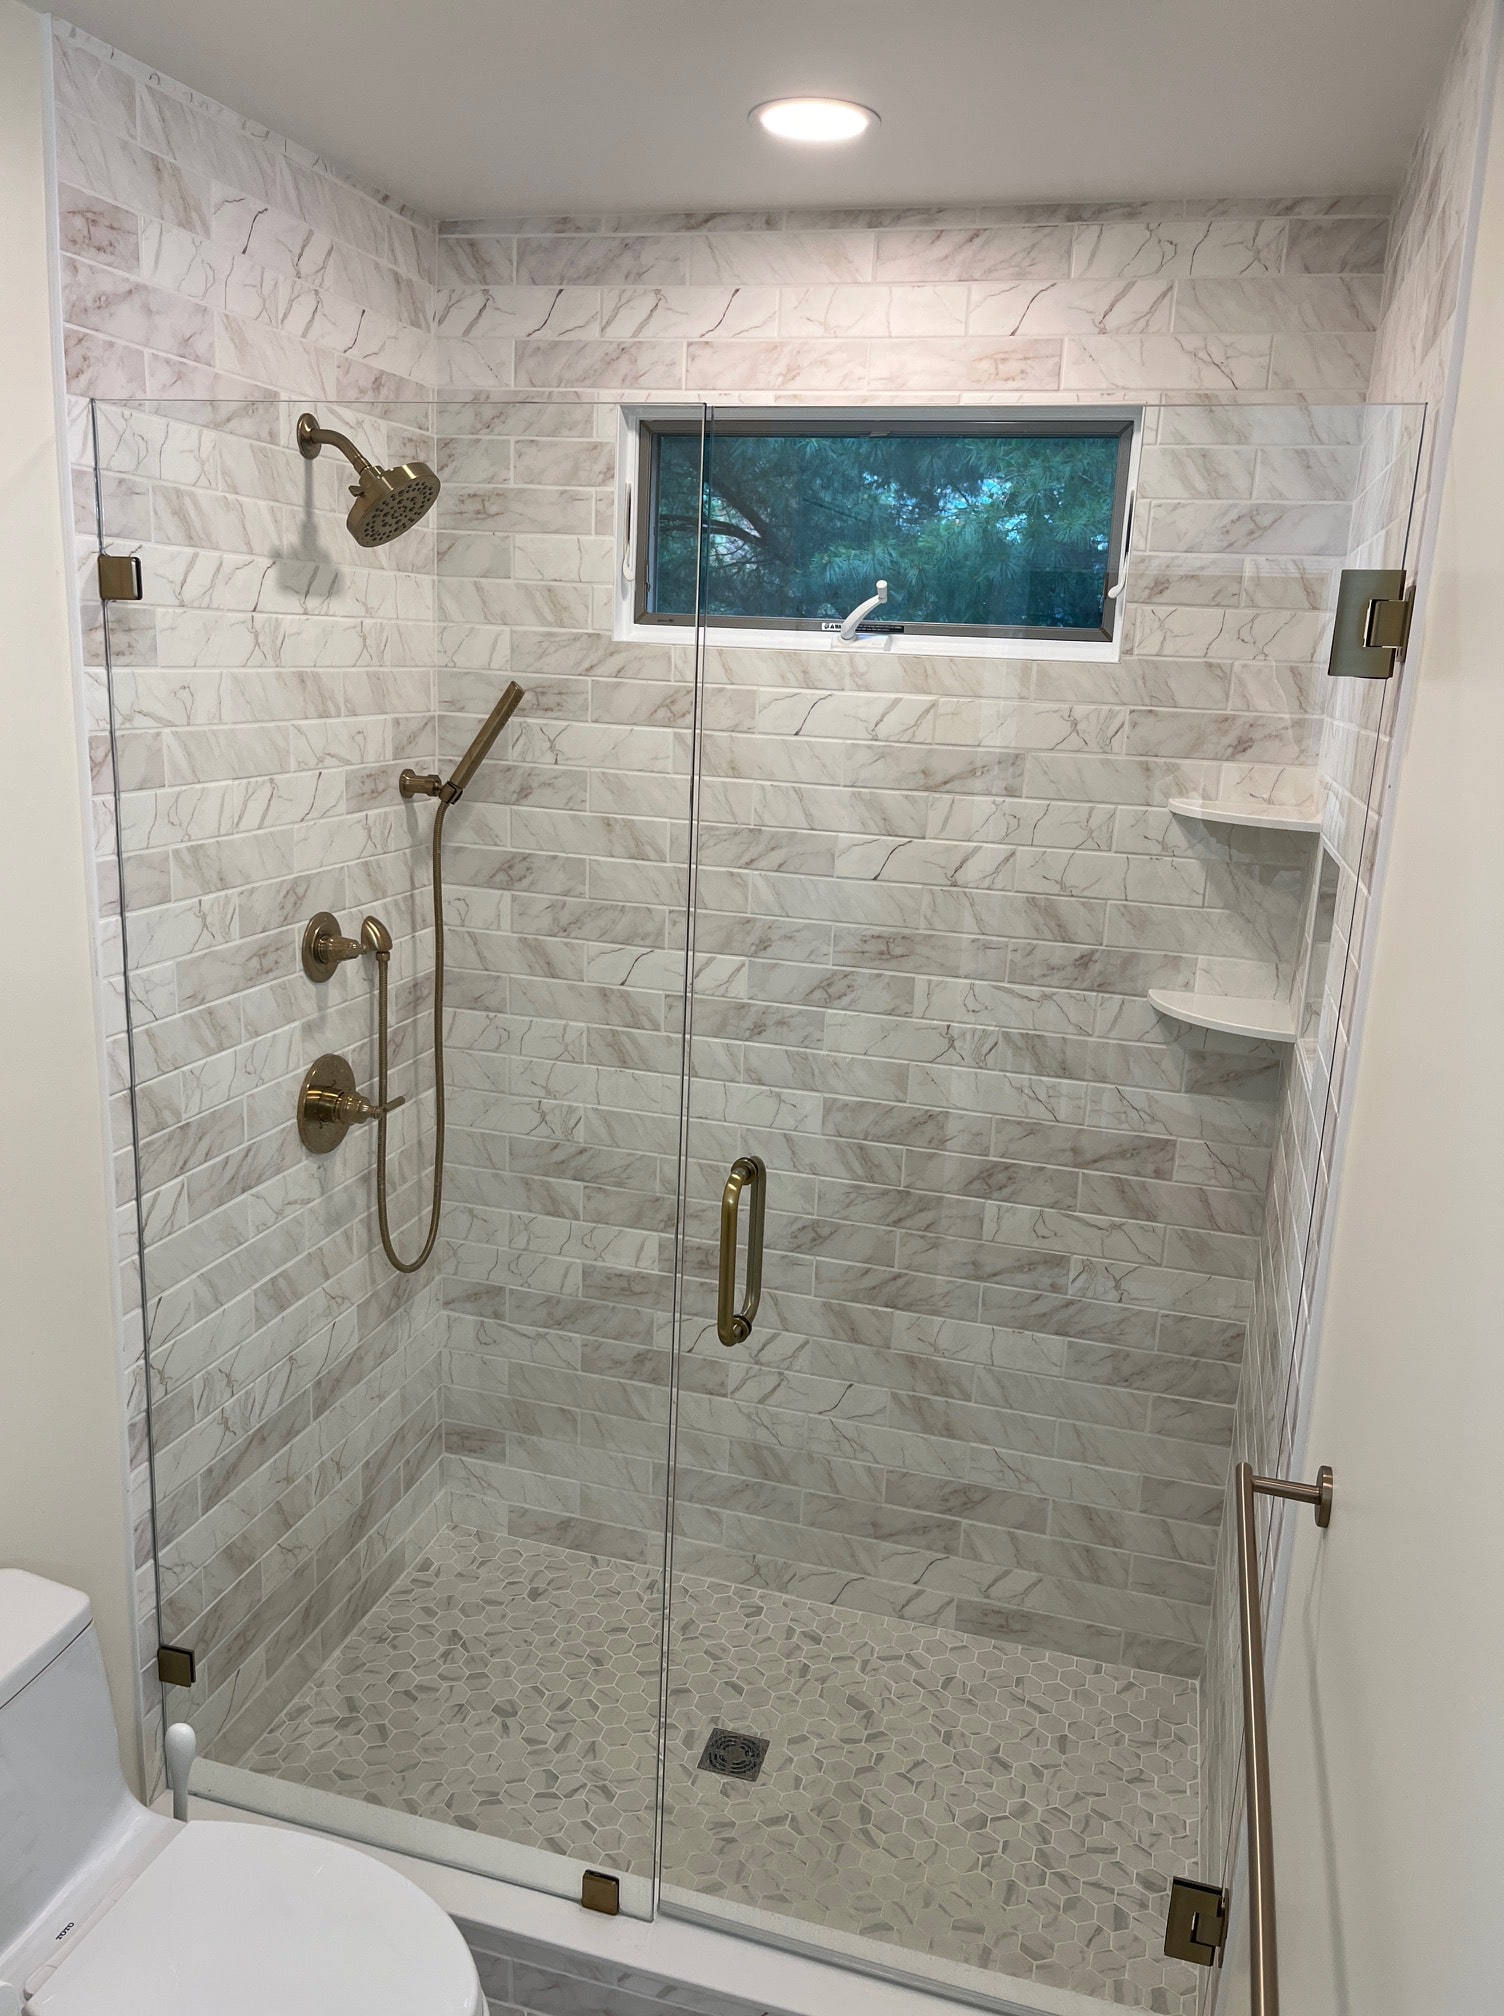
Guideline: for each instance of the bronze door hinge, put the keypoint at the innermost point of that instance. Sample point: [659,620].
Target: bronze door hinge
[1371,629]
[1196,1928]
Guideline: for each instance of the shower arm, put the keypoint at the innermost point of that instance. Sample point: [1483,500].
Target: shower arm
[312,437]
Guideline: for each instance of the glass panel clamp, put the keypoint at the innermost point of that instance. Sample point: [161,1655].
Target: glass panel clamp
[599,1892]
[176,1665]
[119,577]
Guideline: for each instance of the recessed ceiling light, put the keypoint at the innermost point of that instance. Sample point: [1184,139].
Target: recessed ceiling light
[819,119]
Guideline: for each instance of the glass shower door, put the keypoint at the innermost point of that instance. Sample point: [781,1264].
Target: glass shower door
[945,1696]
[410,1527]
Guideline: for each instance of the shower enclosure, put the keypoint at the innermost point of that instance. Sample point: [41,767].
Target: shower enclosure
[892,1631]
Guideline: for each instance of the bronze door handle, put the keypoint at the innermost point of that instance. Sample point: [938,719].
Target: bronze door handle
[733,1325]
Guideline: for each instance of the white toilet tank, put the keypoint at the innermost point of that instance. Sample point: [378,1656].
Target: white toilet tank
[67,1819]
[107,1909]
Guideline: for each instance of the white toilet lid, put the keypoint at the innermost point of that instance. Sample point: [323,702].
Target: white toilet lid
[236,1920]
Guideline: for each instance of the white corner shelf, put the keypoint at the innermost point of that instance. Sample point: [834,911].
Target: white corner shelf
[1249,812]
[1231,1014]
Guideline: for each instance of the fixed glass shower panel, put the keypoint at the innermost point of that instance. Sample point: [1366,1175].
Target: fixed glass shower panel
[410,1526]
[1016,990]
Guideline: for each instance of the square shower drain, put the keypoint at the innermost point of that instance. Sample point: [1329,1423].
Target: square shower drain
[733,1755]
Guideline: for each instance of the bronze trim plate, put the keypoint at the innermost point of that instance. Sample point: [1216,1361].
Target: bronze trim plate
[325,946]
[321,1126]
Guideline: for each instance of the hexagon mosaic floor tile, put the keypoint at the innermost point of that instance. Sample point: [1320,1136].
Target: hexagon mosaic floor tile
[1016,1811]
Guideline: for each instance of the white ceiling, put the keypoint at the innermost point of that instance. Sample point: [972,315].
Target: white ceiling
[470,108]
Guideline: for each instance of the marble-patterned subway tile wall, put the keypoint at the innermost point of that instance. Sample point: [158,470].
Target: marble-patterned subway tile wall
[215,279]
[1014,1212]
[568,867]
[1226,298]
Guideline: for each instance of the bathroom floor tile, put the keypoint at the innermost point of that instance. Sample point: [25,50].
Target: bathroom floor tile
[1017,1811]
[1021,1812]
[500,1685]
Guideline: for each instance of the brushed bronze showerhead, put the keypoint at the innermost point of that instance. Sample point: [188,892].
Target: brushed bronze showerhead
[388,502]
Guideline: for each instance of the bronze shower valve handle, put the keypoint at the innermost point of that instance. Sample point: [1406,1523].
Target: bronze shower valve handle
[329,1104]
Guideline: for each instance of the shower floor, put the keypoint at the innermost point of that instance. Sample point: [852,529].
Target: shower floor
[1011,1810]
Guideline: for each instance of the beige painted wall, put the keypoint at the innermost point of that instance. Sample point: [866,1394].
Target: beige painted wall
[1388,1701]
[62,1500]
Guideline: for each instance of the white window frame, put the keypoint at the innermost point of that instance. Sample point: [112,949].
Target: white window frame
[627,629]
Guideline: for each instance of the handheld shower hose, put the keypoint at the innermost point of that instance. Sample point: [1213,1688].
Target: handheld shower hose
[376,938]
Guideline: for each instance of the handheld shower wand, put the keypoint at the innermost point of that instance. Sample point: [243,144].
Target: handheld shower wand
[428,784]
[375,938]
